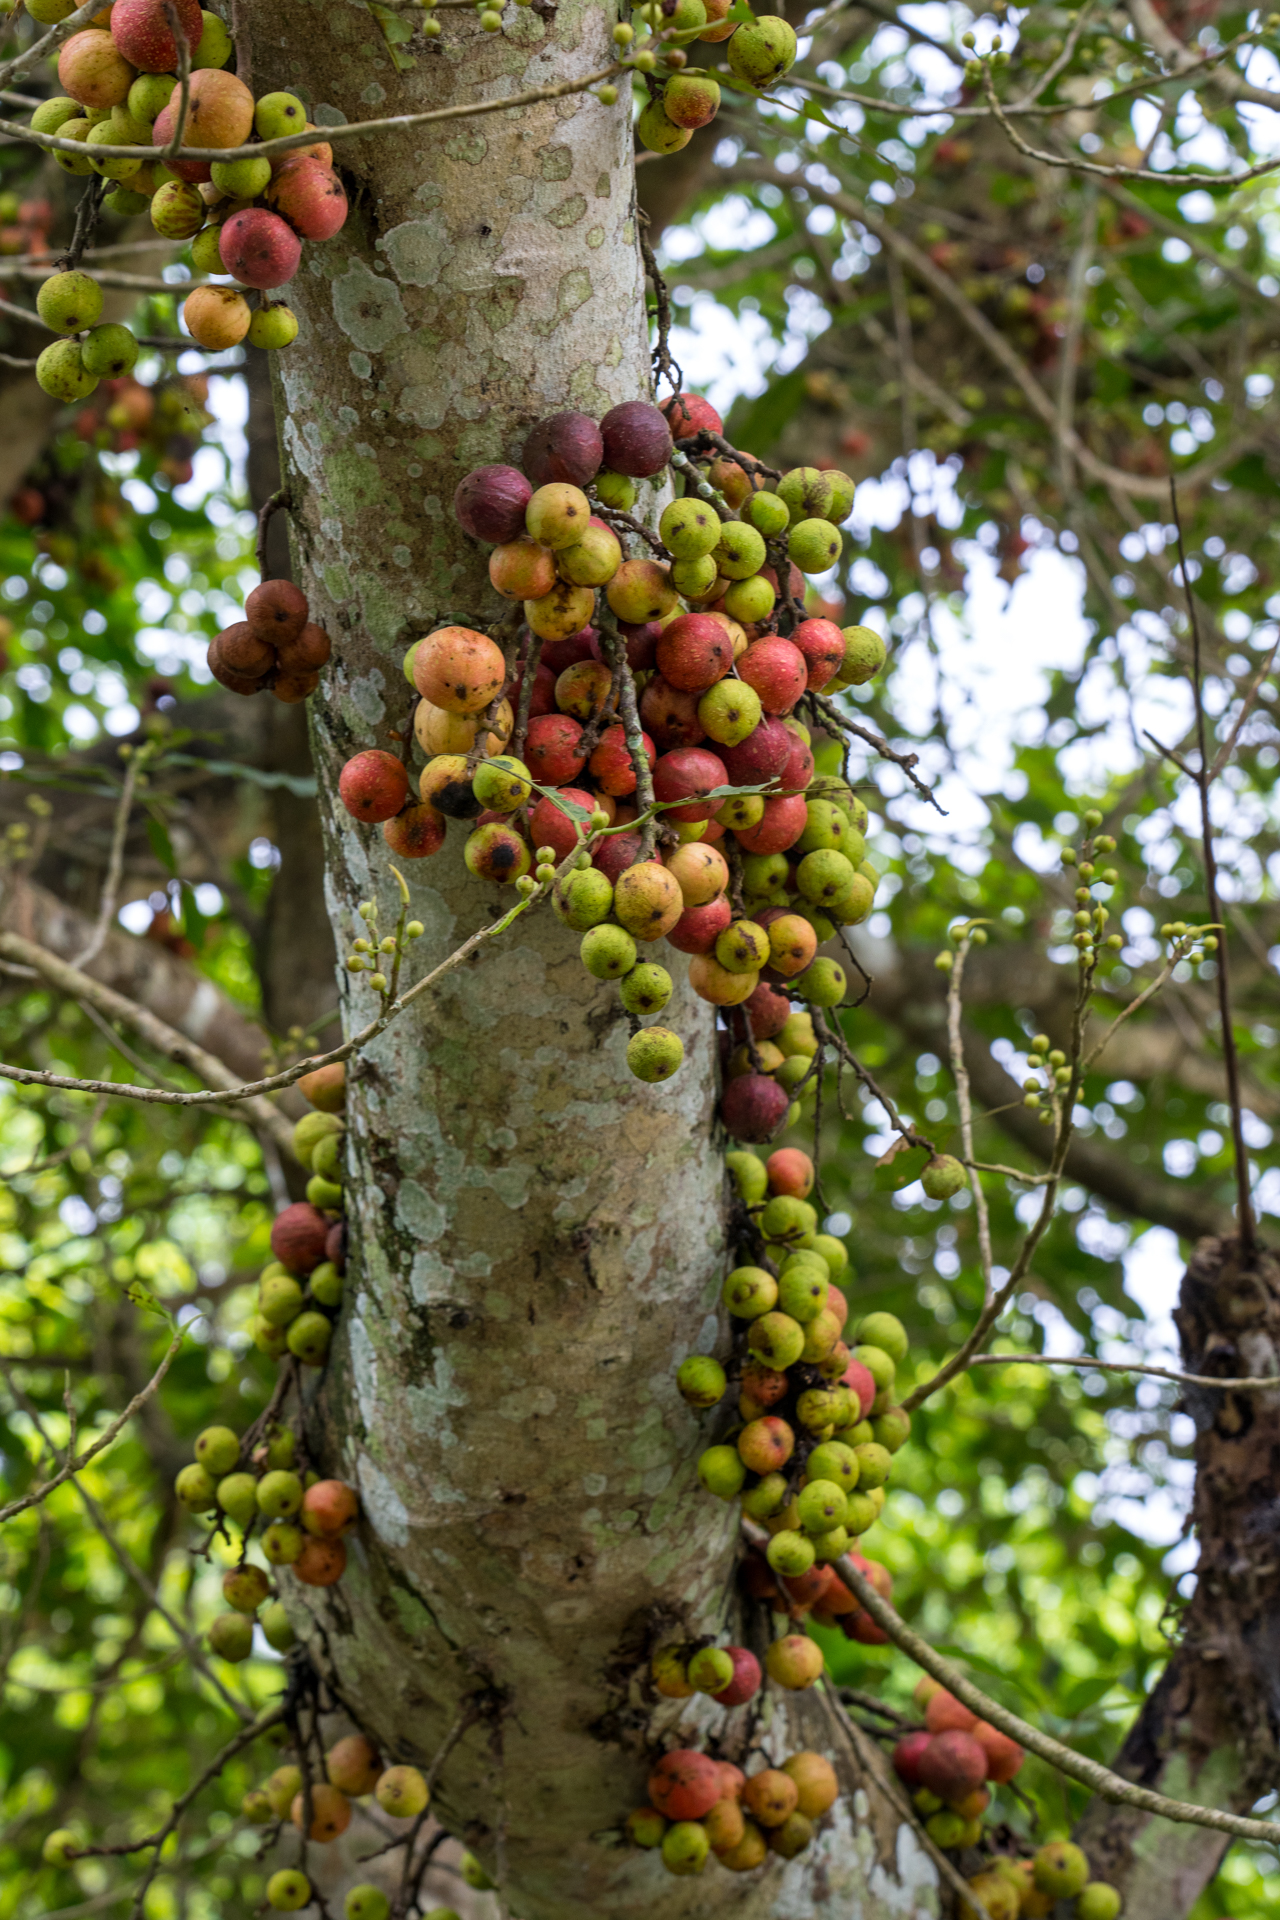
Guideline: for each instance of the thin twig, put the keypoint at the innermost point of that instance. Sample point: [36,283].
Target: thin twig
[965,1103]
[115,864]
[1203,776]
[1246,1385]
[835,717]
[179,33]
[278,500]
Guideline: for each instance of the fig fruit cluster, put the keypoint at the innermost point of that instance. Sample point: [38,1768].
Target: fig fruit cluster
[353,1770]
[300,1290]
[277,648]
[700,1808]
[658,727]
[759,52]
[1034,1885]
[300,1518]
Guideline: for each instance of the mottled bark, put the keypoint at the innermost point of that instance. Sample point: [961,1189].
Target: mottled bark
[537,1238]
[1210,1730]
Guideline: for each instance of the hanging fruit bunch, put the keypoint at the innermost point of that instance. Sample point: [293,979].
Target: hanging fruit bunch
[701,1809]
[277,648]
[635,745]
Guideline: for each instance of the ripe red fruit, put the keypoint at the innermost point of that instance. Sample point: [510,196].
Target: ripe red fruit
[822,644]
[694,652]
[637,440]
[761,756]
[373,785]
[860,1380]
[798,772]
[779,827]
[321,1563]
[550,749]
[952,1765]
[614,855]
[566,447]
[242,651]
[684,1785]
[804,1590]
[906,1757]
[688,413]
[692,772]
[329,1508]
[259,248]
[753,1107]
[745,1683]
[542,698]
[1004,1756]
[642,644]
[671,716]
[550,826]
[559,654]
[143,35]
[276,610]
[767,1011]
[416,833]
[298,1235]
[946,1714]
[489,504]
[698,928]
[310,196]
[765,1385]
[776,670]
[791,1172]
[611,761]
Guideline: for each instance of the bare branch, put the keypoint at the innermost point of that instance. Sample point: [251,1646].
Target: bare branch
[1247,1385]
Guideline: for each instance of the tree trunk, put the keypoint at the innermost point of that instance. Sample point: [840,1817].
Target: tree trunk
[1208,1731]
[537,1238]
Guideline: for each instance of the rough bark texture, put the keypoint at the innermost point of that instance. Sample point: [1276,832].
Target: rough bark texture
[1209,1731]
[537,1238]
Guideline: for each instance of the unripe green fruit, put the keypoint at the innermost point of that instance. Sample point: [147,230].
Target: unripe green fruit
[582,899]
[231,1636]
[646,989]
[107,134]
[654,1054]
[326,1284]
[1061,1869]
[326,1159]
[245,1588]
[814,545]
[721,1472]
[502,784]
[273,1341]
[1098,1901]
[277,114]
[52,115]
[833,1251]
[280,1447]
[727,713]
[309,1132]
[276,1627]
[177,211]
[645,1827]
[743,947]
[206,257]
[271,327]
[689,528]
[767,513]
[474,1874]
[124,202]
[196,1489]
[891,1429]
[282,1788]
[835,1463]
[75,130]
[694,578]
[61,373]
[749,1176]
[827,827]
[366,1903]
[701,1381]
[752,599]
[802,1294]
[324,1194]
[215,46]
[309,1337]
[861,1512]
[789,1553]
[616,490]
[58,1845]
[238,1497]
[767,1498]
[886,1331]
[864,655]
[279,1493]
[402,1792]
[282,1543]
[879,1364]
[824,875]
[821,1505]
[256,1808]
[946,1829]
[608,952]
[217,1449]
[875,1464]
[69,302]
[242,179]
[685,1848]
[777,1339]
[820,1410]
[279,1299]
[710,1670]
[741,551]
[761,51]
[808,494]
[943,1176]
[108,352]
[750,1292]
[288,1890]
[658,133]
[788,1219]
[823,983]
[831,1545]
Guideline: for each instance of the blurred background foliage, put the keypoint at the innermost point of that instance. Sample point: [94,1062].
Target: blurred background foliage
[1036,1527]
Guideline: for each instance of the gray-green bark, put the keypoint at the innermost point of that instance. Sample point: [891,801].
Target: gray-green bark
[537,1238]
